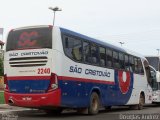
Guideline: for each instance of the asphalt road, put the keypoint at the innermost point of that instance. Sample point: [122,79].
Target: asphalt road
[151,112]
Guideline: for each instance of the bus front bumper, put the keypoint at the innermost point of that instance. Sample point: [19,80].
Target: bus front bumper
[49,99]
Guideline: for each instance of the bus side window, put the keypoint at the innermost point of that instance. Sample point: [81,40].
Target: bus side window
[68,46]
[140,67]
[136,65]
[121,60]
[131,63]
[95,54]
[73,48]
[109,58]
[116,60]
[126,62]
[102,52]
[86,52]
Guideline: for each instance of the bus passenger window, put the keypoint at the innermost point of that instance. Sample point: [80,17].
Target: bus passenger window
[73,48]
[131,63]
[115,59]
[136,65]
[126,61]
[140,67]
[109,58]
[68,48]
[86,52]
[102,52]
[95,54]
[121,60]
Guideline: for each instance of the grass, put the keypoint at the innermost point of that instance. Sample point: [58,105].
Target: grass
[2,97]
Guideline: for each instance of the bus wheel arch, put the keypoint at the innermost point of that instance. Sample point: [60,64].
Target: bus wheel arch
[94,102]
[141,102]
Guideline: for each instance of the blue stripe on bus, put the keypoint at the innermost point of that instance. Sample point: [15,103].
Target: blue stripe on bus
[28,86]
[77,94]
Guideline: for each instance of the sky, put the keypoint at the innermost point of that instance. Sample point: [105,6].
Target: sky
[134,22]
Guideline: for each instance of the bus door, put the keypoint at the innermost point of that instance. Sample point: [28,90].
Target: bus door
[154,84]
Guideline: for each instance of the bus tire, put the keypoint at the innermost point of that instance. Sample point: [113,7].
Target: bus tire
[82,111]
[141,102]
[94,104]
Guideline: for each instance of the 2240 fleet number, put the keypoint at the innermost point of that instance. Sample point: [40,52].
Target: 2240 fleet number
[44,70]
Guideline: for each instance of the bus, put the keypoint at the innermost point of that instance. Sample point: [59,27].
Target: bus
[53,68]
[154,61]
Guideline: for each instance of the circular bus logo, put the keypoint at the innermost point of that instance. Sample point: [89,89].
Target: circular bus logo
[124,81]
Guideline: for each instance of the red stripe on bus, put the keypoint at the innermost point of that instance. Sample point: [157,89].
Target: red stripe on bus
[60,78]
[29,77]
[85,80]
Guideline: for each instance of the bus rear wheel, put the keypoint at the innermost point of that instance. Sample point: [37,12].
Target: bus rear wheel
[94,104]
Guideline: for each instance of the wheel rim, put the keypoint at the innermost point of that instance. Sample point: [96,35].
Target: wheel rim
[94,104]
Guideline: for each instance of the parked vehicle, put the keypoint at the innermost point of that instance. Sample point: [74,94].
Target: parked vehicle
[50,67]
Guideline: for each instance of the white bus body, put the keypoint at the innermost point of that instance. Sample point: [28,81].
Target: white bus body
[68,72]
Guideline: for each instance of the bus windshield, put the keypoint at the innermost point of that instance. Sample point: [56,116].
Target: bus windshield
[29,38]
[154,61]
[156,86]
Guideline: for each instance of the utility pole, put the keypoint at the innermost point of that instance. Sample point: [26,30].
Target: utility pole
[121,43]
[158,51]
[54,11]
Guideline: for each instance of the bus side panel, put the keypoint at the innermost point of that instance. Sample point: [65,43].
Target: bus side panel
[124,87]
[76,86]
[73,95]
[77,94]
[76,81]
[138,86]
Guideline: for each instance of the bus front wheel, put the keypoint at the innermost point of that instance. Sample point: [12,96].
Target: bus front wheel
[141,102]
[94,104]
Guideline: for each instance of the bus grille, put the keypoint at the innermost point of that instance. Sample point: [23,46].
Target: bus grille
[28,61]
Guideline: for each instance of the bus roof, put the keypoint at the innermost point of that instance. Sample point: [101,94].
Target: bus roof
[66,31]
[28,27]
[63,30]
